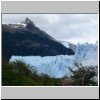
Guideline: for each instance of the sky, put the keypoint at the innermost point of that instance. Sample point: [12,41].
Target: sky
[75,28]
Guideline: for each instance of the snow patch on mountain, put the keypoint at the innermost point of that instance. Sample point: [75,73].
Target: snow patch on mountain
[66,44]
[69,45]
[21,24]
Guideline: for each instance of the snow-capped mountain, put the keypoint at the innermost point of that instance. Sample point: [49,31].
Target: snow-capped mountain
[24,24]
[57,66]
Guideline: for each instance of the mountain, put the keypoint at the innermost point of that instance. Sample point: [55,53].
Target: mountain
[25,39]
[69,45]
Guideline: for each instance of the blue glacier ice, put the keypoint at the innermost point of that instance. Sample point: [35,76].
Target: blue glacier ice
[87,54]
[54,66]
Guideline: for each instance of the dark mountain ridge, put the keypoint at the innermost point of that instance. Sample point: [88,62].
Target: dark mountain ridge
[25,39]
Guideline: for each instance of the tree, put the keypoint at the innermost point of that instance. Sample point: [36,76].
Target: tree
[83,76]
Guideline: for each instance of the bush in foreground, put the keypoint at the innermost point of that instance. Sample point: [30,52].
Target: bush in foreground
[18,74]
[83,76]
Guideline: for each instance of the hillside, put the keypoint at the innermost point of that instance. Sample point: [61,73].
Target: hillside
[26,39]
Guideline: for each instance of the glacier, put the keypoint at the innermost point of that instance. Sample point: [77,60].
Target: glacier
[53,66]
[58,66]
[87,54]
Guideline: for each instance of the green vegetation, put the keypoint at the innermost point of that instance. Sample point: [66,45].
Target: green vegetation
[18,74]
[84,76]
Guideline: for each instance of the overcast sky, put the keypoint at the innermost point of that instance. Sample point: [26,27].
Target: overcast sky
[70,27]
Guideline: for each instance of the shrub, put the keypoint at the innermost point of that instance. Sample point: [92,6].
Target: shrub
[83,76]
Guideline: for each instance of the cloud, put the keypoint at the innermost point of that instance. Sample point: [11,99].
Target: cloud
[71,27]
